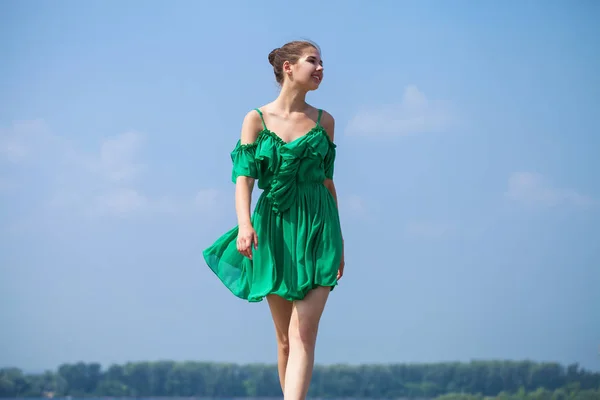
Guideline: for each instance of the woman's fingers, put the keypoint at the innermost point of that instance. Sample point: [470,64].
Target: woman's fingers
[244,246]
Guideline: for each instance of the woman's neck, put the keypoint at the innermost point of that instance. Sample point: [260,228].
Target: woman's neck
[290,101]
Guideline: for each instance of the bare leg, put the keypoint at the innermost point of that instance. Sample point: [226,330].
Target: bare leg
[304,324]
[281,311]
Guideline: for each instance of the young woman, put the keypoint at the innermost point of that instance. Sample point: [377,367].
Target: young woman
[290,249]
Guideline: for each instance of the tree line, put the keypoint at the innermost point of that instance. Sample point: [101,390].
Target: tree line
[476,380]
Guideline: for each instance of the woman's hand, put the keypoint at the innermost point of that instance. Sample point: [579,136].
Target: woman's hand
[246,238]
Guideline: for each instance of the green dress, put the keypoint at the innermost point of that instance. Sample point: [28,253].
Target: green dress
[296,219]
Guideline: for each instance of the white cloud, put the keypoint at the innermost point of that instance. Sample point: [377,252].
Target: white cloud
[208,199]
[105,182]
[414,114]
[12,150]
[531,188]
[121,201]
[353,205]
[16,141]
[117,160]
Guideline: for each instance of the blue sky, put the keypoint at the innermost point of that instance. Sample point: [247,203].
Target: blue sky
[467,171]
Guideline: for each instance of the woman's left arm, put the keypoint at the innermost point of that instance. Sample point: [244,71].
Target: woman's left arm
[328,123]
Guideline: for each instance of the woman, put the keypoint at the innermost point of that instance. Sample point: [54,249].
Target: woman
[290,250]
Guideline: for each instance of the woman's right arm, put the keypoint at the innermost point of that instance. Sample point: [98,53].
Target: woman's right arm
[247,237]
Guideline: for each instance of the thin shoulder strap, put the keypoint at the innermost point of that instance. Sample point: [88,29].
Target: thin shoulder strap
[261,118]
[319,117]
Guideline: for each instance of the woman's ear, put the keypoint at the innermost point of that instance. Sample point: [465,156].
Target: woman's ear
[287,68]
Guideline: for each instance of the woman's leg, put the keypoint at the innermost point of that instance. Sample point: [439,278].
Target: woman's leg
[302,334]
[281,311]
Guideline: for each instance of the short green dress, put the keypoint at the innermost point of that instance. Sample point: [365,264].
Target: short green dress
[296,219]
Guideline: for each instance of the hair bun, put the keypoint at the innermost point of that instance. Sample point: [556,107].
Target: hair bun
[272,56]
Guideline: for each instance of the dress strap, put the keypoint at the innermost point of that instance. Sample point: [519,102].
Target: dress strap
[261,118]
[319,117]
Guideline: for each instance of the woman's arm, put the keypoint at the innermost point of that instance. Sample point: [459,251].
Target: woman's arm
[328,123]
[244,185]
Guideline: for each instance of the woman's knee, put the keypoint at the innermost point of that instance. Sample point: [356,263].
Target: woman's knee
[304,334]
[283,341]
[304,322]
[284,346]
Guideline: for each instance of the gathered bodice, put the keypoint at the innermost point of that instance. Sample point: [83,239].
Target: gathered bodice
[280,167]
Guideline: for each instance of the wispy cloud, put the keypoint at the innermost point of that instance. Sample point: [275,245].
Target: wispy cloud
[118,159]
[413,114]
[208,199]
[11,150]
[353,205]
[105,182]
[533,189]
[23,140]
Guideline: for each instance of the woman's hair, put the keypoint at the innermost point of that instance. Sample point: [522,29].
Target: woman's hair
[291,52]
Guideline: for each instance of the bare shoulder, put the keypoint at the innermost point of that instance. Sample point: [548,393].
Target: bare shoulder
[328,123]
[251,127]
